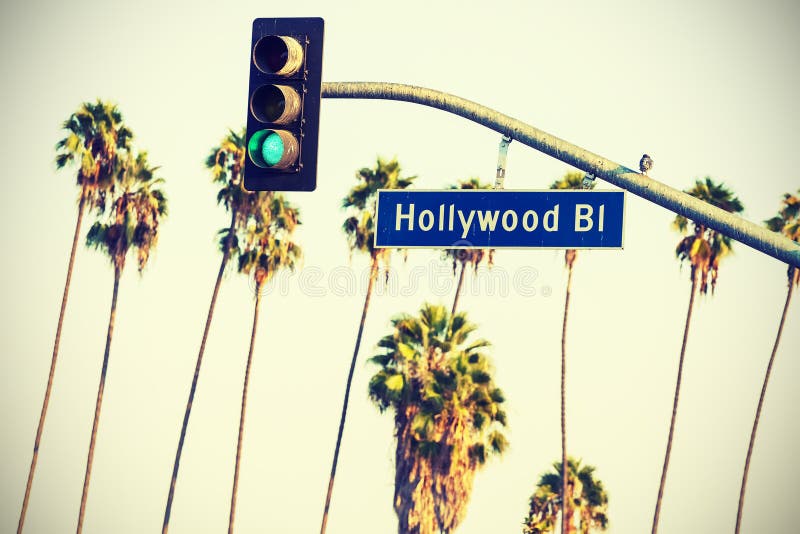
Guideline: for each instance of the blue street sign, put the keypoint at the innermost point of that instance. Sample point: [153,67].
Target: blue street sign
[499,219]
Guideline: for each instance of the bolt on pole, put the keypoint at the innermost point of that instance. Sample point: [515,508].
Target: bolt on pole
[742,230]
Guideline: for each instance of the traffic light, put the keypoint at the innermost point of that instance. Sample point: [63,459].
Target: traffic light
[283,104]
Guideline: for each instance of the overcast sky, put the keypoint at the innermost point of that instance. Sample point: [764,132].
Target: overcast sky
[706,88]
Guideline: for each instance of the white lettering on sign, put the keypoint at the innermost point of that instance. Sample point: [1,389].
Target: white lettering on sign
[401,216]
[531,216]
[425,226]
[452,218]
[488,220]
[509,226]
[552,216]
[600,224]
[465,224]
[586,219]
[583,217]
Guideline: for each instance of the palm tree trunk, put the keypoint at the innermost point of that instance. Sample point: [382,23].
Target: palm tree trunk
[49,387]
[458,290]
[244,406]
[372,276]
[99,404]
[565,514]
[570,516]
[675,404]
[761,402]
[193,389]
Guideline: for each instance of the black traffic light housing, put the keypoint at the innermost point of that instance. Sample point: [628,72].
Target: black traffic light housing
[283,104]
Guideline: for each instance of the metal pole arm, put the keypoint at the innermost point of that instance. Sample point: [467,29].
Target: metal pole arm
[749,233]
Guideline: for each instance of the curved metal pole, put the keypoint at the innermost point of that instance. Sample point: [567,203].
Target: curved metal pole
[749,233]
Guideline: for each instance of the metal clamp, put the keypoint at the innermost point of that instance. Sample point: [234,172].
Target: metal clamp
[501,162]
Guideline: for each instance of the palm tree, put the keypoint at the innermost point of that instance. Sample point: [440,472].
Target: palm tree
[95,136]
[465,257]
[571,180]
[587,496]
[448,415]
[703,248]
[138,206]
[226,163]
[268,248]
[787,222]
[359,227]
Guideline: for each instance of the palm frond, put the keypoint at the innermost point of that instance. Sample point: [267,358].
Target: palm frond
[704,248]
[589,498]
[360,203]
[571,180]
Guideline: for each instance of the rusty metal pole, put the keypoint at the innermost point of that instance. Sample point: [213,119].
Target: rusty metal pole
[742,230]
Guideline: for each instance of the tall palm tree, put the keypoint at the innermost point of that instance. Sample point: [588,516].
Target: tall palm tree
[586,494]
[226,163]
[703,248]
[138,206]
[359,227]
[464,257]
[571,180]
[448,415]
[95,135]
[788,223]
[268,248]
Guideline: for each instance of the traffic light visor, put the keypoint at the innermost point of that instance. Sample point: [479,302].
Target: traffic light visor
[273,149]
[278,54]
[277,104]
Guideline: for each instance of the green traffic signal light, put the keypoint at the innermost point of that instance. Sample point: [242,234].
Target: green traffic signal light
[273,149]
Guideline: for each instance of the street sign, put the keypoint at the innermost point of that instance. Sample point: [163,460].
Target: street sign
[560,219]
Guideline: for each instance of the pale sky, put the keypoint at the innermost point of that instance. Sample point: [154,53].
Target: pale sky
[705,88]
